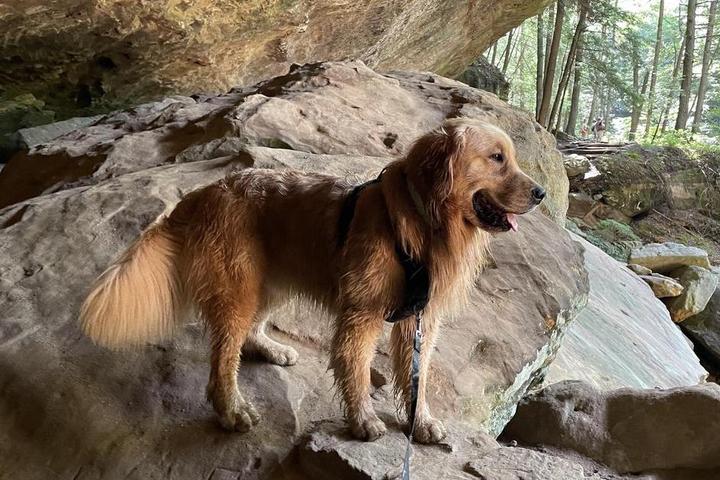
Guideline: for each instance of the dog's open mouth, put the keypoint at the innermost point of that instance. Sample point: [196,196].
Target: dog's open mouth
[491,216]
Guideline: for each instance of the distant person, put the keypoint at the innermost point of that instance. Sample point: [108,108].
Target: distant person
[598,129]
[584,131]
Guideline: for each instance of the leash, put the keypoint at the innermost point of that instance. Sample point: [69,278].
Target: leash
[417,296]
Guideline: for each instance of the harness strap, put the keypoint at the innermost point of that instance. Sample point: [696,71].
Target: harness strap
[417,296]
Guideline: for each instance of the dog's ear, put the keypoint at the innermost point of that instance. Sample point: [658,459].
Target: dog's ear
[435,156]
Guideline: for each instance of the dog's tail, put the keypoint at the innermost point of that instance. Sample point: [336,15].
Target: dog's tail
[139,298]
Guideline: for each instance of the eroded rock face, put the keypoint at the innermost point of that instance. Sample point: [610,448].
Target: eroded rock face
[625,337]
[629,430]
[79,54]
[84,412]
[332,108]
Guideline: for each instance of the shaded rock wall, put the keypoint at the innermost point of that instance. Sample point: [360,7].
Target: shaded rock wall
[87,54]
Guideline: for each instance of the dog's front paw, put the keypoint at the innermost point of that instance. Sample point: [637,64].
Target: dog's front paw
[429,430]
[241,419]
[370,429]
[282,355]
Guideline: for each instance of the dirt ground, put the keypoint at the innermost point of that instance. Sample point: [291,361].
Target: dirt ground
[689,227]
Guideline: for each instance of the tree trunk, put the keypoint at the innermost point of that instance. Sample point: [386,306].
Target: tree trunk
[549,35]
[540,63]
[653,76]
[508,51]
[593,104]
[544,113]
[684,102]
[575,99]
[666,109]
[565,76]
[639,99]
[494,52]
[707,55]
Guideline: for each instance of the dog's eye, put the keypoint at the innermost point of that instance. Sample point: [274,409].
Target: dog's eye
[498,157]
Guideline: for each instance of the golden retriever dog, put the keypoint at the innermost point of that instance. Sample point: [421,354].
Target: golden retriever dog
[233,249]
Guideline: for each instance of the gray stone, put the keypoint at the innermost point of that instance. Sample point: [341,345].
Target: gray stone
[486,76]
[33,136]
[576,165]
[704,328]
[699,285]
[669,256]
[629,430]
[639,269]
[515,463]
[662,286]
[624,337]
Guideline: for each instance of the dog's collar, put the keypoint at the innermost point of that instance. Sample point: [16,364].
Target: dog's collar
[417,201]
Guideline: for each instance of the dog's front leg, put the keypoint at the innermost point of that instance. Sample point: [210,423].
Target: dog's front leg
[353,349]
[427,428]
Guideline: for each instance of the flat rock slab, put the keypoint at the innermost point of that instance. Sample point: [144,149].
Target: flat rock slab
[625,337]
[627,429]
[69,409]
[699,285]
[662,286]
[666,257]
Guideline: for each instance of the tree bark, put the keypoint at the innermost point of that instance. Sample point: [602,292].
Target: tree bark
[656,59]
[540,63]
[544,113]
[707,55]
[684,102]
[666,109]
[565,76]
[508,51]
[575,98]
[639,99]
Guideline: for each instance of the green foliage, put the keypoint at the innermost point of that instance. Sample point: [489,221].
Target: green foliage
[684,140]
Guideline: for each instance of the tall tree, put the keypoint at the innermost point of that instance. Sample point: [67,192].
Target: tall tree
[508,51]
[663,120]
[656,60]
[684,103]
[638,98]
[544,113]
[569,62]
[707,56]
[540,63]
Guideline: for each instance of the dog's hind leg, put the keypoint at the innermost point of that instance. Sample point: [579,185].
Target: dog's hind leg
[229,320]
[259,343]
[427,428]
[353,349]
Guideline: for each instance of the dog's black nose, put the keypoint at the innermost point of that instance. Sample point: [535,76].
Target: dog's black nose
[538,194]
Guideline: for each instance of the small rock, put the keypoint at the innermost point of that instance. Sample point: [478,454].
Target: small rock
[639,269]
[666,257]
[663,286]
[699,285]
[576,165]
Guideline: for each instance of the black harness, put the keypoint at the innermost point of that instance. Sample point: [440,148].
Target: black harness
[417,295]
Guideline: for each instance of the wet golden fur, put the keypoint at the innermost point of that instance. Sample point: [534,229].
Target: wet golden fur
[236,247]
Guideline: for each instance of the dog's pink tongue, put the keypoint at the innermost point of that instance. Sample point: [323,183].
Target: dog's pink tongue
[513,221]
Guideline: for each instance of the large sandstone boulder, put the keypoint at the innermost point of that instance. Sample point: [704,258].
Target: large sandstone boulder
[90,54]
[699,284]
[624,337]
[486,76]
[626,429]
[668,256]
[333,108]
[79,411]
[704,328]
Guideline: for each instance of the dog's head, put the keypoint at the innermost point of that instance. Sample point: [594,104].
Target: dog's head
[470,166]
